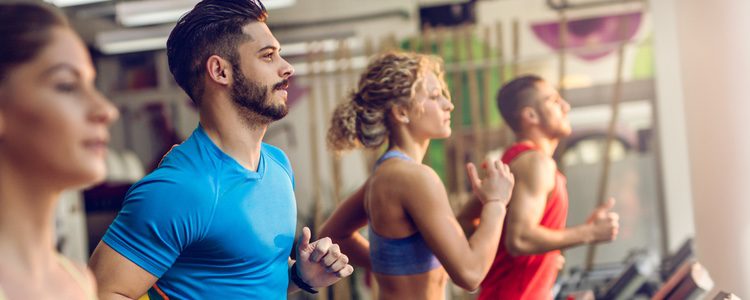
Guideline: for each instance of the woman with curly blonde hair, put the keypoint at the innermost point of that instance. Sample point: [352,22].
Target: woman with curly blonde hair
[415,242]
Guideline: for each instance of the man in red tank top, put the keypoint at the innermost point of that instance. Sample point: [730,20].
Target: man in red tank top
[529,258]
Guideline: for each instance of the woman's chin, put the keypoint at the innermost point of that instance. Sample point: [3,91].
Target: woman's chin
[93,174]
[444,135]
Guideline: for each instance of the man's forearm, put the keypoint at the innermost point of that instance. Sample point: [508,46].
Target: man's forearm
[542,239]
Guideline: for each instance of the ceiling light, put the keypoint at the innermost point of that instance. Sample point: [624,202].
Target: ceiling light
[149,12]
[65,3]
[132,40]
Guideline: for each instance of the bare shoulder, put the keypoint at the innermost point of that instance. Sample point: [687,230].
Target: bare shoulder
[535,169]
[416,174]
[533,161]
[409,178]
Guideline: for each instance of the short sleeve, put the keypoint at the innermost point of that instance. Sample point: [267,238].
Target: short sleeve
[159,219]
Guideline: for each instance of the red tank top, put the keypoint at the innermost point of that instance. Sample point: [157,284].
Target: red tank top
[528,276]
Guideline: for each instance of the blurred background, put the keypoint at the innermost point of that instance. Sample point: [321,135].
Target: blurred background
[657,89]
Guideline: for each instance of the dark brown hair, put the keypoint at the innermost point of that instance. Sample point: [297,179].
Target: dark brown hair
[514,96]
[213,27]
[24,32]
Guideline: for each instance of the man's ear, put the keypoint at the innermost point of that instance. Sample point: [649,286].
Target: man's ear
[219,70]
[529,115]
[400,114]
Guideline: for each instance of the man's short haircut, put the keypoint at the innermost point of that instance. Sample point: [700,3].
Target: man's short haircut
[213,27]
[514,96]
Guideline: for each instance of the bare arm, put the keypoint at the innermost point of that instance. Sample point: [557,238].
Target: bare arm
[343,225]
[466,261]
[535,176]
[118,277]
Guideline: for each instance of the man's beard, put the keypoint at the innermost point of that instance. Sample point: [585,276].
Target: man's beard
[254,101]
[553,132]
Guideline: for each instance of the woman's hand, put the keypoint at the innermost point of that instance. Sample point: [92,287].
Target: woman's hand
[497,185]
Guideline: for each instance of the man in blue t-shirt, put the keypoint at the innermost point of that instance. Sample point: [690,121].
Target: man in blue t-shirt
[217,218]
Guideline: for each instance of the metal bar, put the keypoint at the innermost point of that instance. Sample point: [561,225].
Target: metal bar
[565,5]
[607,159]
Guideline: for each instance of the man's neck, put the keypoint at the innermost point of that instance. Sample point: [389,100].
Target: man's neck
[236,136]
[545,144]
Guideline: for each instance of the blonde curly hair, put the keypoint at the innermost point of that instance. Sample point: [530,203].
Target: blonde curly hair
[390,79]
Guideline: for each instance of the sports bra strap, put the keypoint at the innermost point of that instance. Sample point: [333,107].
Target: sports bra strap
[391,154]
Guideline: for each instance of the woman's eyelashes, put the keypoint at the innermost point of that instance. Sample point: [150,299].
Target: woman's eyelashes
[66,87]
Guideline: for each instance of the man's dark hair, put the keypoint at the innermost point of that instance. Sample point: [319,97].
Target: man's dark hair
[514,96]
[213,27]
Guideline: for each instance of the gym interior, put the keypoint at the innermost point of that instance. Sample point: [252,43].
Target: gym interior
[656,100]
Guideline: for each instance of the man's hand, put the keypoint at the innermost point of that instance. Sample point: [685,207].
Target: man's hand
[496,186]
[320,263]
[560,262]
[605,223]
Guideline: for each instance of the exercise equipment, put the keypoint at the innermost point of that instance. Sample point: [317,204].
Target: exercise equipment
[641,276]
[631,278]
[726,296]
[636,280]
[691,281]
[670,264]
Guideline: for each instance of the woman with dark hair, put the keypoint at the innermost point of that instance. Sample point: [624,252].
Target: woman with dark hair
[53,137]
[415,242]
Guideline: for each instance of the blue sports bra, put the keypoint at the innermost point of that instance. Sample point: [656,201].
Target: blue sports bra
[404,256]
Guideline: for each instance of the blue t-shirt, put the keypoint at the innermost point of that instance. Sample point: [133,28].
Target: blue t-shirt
[207,227]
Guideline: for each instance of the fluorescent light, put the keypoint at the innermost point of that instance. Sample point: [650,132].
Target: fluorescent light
[274,4]
[144,44]
[139,13]
[133,40]
[65,3]
[136,40]
[149,12]
[154,38]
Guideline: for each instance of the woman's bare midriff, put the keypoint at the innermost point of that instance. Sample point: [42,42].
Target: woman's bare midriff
[429,285]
